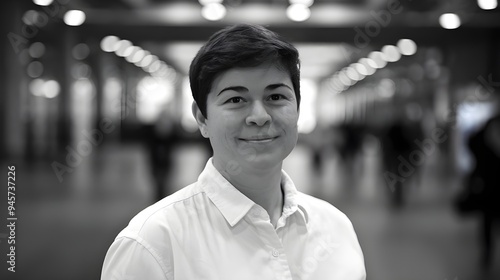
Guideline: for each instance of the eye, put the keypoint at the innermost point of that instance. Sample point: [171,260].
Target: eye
[276,97]
[234,100]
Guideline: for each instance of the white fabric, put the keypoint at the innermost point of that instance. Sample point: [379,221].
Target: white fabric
[210,230]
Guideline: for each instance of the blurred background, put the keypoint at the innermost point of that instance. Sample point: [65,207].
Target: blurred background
[396,131]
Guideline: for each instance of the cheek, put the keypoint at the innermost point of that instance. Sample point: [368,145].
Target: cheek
[229,123]
[289,117]
[224,129]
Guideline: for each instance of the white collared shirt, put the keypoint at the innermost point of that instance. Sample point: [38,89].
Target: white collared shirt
[210,230]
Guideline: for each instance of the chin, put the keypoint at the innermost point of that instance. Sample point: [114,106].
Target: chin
[265,160]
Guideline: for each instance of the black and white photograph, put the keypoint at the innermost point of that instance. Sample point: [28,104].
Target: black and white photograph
[250,139]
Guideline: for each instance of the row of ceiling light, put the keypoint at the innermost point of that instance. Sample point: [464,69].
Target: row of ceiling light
[367,66]
[298,10]
[138,56]
[452,20]
[212,10]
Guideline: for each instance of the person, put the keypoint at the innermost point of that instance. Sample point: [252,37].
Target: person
[243,218]
[482,191]
[161,139]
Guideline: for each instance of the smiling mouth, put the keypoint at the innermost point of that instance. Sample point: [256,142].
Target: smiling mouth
[259,140]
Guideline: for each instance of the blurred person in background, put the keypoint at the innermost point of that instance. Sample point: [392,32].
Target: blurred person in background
[160,140]
[482,190]
[403,166]
[243,218]
[396,145]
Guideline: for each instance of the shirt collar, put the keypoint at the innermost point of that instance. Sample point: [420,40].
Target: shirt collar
[292,198]
[234,205]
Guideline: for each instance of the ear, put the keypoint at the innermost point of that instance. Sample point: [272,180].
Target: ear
[200,119]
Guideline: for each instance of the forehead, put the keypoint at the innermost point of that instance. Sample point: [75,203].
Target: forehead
[252,77]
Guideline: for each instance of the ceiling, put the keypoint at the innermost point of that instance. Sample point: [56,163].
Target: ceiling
[174,30]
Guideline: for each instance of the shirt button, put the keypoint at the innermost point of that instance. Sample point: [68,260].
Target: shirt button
[275,253]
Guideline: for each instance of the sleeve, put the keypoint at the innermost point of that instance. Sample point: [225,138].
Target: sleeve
[129,259]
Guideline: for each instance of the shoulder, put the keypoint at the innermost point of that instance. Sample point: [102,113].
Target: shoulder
[321,208]
[158,217]
[327,220]
[143,249]
[322,213]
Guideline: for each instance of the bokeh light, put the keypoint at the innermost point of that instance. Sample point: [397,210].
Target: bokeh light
[109,43]
[122,48]
[74,17]
[378,58]
[449,21]
[487,4]
[37,50]
[213,11]
[35,69]
[51,88]
[43,2]
[391,53]
[80,51]
[298,12]
[407,47]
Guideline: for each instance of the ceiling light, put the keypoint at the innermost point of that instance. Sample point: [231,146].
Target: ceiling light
[132,53]
[30,17]
[335,85]
[36,87]
[360,68]
[74,17]
[449,21]
[344,79]
[43,2]
[36,50]
[379,59]
[213,11]
[298,12]
[146,61]
[139,56]
[51,88]
[35,69]
[121,47]
[391,53]
[206,2]
[307,3]
[153,67]
[487,4]
[407,47]
[352,74]
[369,65]
[109,43]
[368,62]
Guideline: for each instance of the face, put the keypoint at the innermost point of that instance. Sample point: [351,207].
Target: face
[251,118]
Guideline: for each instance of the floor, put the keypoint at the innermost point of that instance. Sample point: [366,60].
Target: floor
[65,227]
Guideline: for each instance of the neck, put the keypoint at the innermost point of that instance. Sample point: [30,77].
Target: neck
[261,186]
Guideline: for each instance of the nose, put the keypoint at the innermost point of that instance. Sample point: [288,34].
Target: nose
[258,115]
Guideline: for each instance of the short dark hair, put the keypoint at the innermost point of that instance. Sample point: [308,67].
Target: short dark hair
[241,45]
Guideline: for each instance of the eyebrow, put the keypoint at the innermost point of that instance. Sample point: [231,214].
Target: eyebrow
[275,86]
[235,88]
[242,88]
